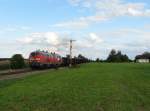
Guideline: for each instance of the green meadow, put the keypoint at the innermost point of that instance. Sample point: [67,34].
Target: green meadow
[89,87]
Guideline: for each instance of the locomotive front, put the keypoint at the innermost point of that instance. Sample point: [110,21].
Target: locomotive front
[35,60]
[42,59]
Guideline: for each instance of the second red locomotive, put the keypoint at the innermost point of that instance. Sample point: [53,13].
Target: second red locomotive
[42,59]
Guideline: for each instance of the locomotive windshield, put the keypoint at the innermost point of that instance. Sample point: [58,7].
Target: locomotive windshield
[34,53]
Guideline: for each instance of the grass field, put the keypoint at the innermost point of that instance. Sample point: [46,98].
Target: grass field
[91,87]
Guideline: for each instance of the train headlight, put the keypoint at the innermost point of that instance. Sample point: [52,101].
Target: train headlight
[38,59]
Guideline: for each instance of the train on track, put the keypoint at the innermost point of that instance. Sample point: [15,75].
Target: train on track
[44,59]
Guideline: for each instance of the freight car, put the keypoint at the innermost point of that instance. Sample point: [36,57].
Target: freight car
[42,59]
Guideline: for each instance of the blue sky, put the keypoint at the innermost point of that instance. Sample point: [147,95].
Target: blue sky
[97,25]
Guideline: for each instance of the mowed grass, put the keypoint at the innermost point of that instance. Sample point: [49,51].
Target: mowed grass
[91,87]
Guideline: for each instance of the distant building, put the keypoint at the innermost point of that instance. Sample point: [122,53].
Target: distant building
[144,58]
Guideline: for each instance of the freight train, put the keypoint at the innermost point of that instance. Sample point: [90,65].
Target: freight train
[44,59]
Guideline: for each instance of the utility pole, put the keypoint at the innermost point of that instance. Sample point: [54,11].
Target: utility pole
[71,41]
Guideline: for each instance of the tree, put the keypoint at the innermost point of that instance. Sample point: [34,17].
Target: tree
[125,58]
[115,56]
[82,58]
[113,52]
[17,61]
[97,60]
[119,56]
[112,56]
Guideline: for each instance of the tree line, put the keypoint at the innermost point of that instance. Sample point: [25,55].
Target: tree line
[145,55]
[17,61]
[115,56]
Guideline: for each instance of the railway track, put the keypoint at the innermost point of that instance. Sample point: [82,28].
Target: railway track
[11,72]
[20,73]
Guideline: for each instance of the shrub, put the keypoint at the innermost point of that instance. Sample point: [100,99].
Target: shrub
[17,61]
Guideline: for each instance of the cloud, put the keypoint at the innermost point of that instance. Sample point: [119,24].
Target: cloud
[72,24]
[74,2]
[56,39]
[104,10]
[58,42]
[14,28]
[51,41]
[95,39]
[113,8]
[43,38]
[82,22]
[131,41]
[90,40]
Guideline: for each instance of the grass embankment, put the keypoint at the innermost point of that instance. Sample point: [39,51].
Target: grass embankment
[92,87]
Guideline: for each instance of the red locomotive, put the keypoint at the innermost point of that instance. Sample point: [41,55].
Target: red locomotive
[42,59]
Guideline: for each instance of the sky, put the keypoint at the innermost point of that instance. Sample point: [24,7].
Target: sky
[97,26]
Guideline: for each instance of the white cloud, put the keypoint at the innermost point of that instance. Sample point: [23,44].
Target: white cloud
[14,28]
[95,39]
[112,8]
[104,10]
[74,2]
[44,38]
[52,38]
[128,40]
[91,40]
[59,42]
[56,39]
[82,22]
[26,40]
[51,41]
[73,24]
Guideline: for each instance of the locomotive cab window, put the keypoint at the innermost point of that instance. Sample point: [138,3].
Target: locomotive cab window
[33,54]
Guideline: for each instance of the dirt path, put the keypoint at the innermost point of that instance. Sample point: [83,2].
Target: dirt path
[20,75]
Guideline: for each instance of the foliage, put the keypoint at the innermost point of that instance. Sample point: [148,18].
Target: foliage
[17,61]
[92,87]
[115,56]
[145,55]
[97,60]
[83,59]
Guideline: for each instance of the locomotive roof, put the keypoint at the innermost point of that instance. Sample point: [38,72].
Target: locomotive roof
[46,53]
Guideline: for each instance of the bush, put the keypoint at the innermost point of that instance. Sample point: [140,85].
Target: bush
[17,62]
[115,56]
